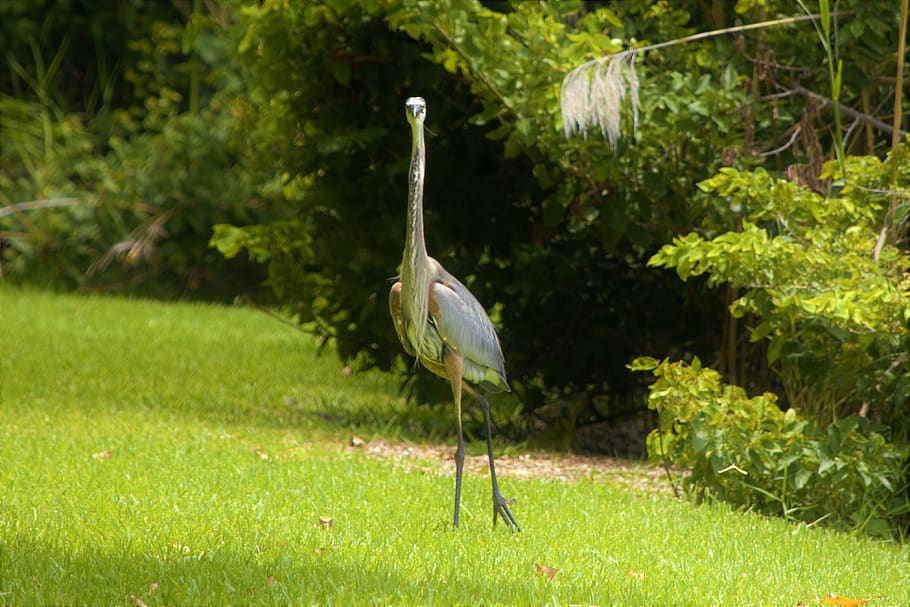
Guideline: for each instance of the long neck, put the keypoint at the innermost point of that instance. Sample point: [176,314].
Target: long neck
[415,267]
[415,247]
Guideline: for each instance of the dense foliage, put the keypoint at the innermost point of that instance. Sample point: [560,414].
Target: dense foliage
[830,301]
[118,149]
[129,131]
[749,452]
[835,316]
[556,233]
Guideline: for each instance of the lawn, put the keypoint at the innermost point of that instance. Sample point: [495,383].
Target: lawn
[186,454]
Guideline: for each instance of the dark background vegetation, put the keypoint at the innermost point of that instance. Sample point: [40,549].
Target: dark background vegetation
[131,128]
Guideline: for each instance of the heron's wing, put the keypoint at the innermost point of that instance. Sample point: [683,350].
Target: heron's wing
[466,329]
[398,317]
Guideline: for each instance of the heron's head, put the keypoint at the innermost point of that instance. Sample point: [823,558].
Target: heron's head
[415,109]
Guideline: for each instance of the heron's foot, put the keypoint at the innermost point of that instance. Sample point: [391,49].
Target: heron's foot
[501,509]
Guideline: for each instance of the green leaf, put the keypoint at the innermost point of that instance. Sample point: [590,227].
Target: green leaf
[228,240]
[800,478]
[775,347]
[838,79]
[543,176]
[825,13]
[449,60]
[762,330]
[341,71]
[643,363]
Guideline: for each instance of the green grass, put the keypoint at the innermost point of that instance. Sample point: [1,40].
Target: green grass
[227,436]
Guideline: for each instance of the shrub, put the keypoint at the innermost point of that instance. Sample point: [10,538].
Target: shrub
[831,302]
[749,452]
[551,234]
[833,312]
[143,176]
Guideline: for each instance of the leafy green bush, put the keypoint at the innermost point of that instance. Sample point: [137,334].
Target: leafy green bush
[815,268]
[138,216]
[747,451]
[831,301]
[141,179]
[551,234]
[834,313]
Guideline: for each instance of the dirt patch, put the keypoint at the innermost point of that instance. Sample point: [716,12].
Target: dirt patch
[439,459]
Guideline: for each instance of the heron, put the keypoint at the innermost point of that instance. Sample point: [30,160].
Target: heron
[442,324]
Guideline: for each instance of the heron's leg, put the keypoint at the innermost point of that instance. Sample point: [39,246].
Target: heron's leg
[500,503]
[454,369]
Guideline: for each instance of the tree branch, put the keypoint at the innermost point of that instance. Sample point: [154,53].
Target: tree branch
[849,111]
[480,75]
[703,35]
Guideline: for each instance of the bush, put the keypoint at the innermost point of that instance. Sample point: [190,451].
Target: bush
[550,234]
[749,452]
[833,313]
[277,121]
[143,177]
[831,302]
[815,267]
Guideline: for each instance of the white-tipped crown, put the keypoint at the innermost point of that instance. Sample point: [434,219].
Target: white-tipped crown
[416,108]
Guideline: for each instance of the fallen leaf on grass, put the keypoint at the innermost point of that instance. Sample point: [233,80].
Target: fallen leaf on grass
[841,601]
[137,601]
[550,572]
[321,549]
[326,522]
[271,580]
[103,454]
[635,575]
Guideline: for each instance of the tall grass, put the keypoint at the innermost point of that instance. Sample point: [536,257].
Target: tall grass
[158,454]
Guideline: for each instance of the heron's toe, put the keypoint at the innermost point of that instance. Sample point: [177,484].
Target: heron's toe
[501,510]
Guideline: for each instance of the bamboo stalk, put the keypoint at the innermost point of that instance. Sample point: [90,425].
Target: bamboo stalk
[895,137]
[702,36]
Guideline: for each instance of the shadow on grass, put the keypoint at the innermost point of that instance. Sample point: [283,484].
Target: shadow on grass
[39,575]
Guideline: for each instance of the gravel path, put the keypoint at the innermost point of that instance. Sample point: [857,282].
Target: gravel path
[439,459]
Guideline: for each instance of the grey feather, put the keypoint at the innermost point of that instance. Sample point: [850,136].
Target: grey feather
[465,328]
